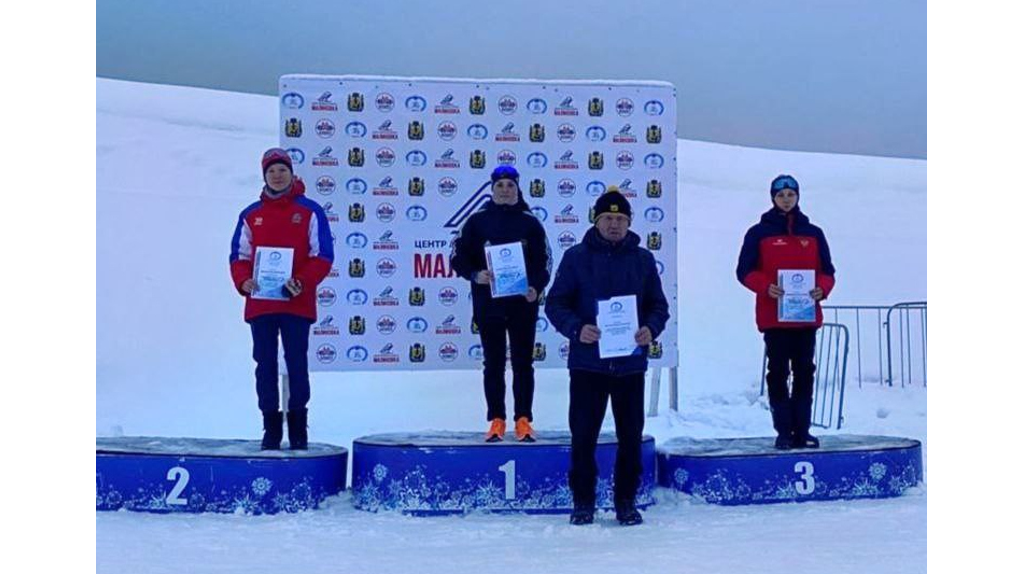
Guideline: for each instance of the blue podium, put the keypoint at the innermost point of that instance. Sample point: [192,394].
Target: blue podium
[159,474]
[751,471]
[456,472]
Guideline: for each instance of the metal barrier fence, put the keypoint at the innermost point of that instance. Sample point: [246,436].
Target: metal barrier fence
[897,344]
[833,349]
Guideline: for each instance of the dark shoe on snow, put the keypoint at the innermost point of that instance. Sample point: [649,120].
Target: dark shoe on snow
[627,514]
[298,438]
[783,442]
[582,515]
[273,430]
[806,441]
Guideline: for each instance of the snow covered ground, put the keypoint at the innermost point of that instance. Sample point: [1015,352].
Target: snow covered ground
[174,167]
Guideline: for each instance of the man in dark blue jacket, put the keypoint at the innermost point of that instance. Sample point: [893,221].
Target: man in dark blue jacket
[609,262]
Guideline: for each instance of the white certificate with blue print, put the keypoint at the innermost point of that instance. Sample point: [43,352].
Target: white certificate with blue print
[508,267]
[618,322]
[796,304]
[271,270]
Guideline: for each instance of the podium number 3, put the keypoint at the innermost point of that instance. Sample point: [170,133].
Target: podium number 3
[509,469]
[806,483]
[180,475]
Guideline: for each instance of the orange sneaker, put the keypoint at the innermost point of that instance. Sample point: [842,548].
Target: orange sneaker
[497,431]
[524,432]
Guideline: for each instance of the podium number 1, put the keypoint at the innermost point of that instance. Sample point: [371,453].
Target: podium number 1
[180,475]
[509,469]
[806,483]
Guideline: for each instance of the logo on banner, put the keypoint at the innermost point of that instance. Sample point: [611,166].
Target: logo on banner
[415,103]
[446,106]
[507,105]
[416,213]
[326,328]
[356,268]
[595,160]
[356,157]
[660,266]
[326,353]
[384,131]
[566,133]
[654,241]
[624,160]
[386,242]
[385,102]
[416,186]
[537,188]
[356,186]
[448,327]
[654,108]
[417,296]
[355,129]
[324,103]
[356,213]
[448,352]
[332,217]
[567,216]
[536,133]
[537,106]
[385,157]
[386,267]
[542,325]
[624,107]
[540,352]
[447,160]
[625,135]
[654,160]
[447,186]
[477,131]
[476,352]
[654,188]
[416,325]
[654,214]
[416,158]
[626,188]
[386,187]
[655,351]
[415,130]
[473,327]
[356,297]
[385,213]
[507,134]
[653,134]
[386,325]
[386,298]
[325,128]
[386,355]
[293,100]
[596,134]
[356,325]
[355,102]
[448,296]
[477,159]
[356,241]
[325,185]
[417,353]
[506,157]
[293,128]
[357,354]
[565,108]
[566,161]
[566,188]
[298,156]
[477,105]
[563,351]
[325,296]
[540,213]
[566,240]
[447,131]
[595,107]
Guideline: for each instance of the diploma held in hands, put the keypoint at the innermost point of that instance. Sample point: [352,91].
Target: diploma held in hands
[508,268]
[273,267]
[796,304]
[618,322]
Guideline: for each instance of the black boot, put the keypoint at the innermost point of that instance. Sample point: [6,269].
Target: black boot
[627,514]
[273,430]
[784,442]
[806,440]
[582,514]
[297,437]
[782,420]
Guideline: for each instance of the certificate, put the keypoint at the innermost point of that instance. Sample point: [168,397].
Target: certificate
[796,304]
[272,268]
[508,267]
[618,322]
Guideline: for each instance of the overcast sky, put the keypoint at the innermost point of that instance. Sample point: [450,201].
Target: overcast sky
[844,76]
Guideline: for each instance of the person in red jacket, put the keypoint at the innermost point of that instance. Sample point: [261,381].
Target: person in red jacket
[786,239]
[282,218]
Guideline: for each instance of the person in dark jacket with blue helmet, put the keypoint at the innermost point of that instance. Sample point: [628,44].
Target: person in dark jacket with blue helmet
[506,218]
[609,262]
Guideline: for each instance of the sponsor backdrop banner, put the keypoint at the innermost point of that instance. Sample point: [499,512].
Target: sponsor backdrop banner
[398,165]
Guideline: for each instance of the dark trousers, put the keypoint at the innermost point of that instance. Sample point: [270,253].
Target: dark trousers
[521,327]
[791,413]
[588,401]
[294,331]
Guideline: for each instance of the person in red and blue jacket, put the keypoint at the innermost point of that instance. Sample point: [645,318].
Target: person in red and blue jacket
[283,217]
[786,239]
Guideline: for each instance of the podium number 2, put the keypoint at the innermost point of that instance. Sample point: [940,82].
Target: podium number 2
[180,475]
[509,469]
[806,483]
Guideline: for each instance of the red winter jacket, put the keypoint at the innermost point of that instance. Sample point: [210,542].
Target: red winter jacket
[292,220]
[783,241]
